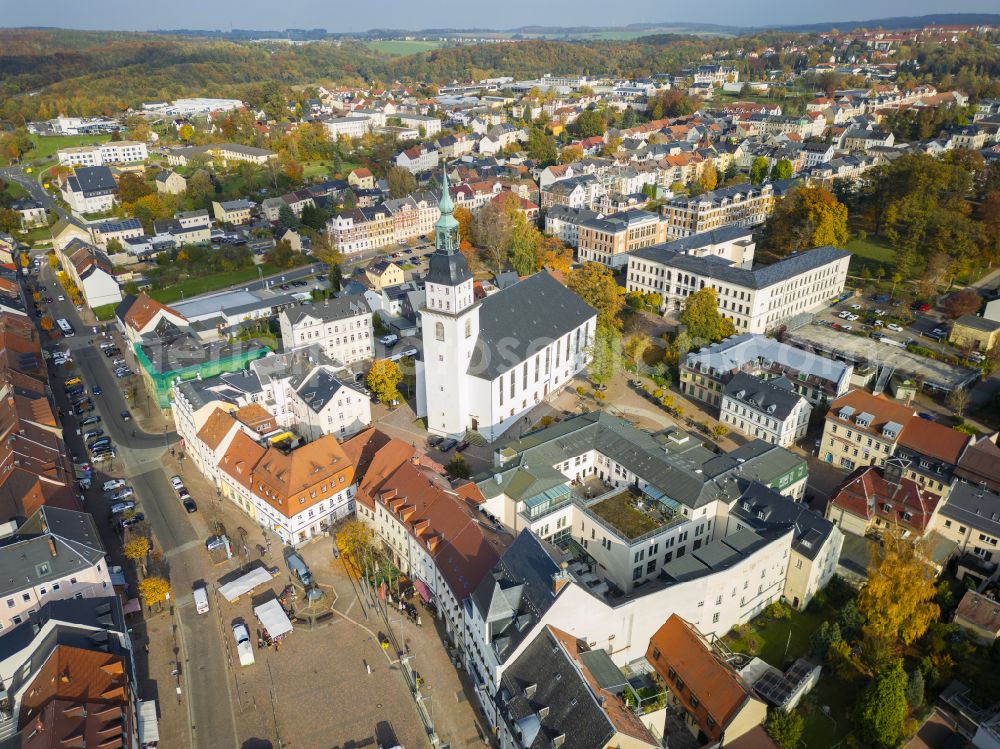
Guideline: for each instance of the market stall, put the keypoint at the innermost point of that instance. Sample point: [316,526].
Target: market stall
[273,618]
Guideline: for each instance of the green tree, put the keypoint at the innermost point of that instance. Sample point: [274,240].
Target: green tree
[785,727]
[595,284]
[458,468]
[915,689]
[804,218]
[200,190]
[382,379]
[401,182]
[881,709]
[588,124]
[286,217]
[782,169]
[758,170]
[822,638]
[542,147]
[10,220]
[282,255]
[604,355]
[702,318]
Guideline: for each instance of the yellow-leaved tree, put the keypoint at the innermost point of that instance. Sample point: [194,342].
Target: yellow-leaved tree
[154,591]
[356,543]
[382,379]
[897,602]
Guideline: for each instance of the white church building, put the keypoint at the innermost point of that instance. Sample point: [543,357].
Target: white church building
[486,363]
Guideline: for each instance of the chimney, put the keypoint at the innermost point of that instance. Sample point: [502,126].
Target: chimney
[561,579]
[52,547]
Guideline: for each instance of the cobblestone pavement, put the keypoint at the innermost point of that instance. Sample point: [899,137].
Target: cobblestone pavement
[447,697]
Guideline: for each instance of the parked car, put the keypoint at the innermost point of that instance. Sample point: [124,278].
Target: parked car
[122,494]
[446,445]
[137,518]
[96,390]
[894,328]
[176,482]
[189,505]
[126,416]
[214,542]
[461,446]
[120,507]
[103,457]
[93,433]
[90,420]
[389,340]
[110,486]
[243,645]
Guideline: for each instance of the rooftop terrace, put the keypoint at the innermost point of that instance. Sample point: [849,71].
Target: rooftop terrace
[629,514]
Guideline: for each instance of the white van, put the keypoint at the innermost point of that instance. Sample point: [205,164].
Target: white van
[201,599]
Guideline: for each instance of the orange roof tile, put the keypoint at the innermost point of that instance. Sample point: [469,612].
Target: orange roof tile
[677,647]
[215,428]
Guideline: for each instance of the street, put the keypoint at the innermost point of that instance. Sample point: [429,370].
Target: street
[30,183]
[206,700]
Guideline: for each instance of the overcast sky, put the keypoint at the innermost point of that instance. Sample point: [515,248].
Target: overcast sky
[341,15]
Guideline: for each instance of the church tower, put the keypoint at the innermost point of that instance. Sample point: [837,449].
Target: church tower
[450,321]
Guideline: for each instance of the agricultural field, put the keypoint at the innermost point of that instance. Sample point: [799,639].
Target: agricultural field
[403,47]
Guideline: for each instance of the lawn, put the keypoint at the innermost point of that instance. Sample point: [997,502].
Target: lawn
[211,282]
[105,311]
[46,147]
[403,46]
[780,642]
[873,249]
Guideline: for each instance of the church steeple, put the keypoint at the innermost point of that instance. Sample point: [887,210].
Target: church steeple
[446,228]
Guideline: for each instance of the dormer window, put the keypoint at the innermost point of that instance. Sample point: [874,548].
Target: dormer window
[886,507]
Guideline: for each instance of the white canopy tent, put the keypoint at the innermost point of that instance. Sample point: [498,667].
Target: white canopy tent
[243,585]
[149,728]
[273,617]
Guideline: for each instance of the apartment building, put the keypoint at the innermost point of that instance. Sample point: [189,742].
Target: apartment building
[418,159]
[356,230]
[863,429]
[970,517]
[54,554]
[92,272]
[352,126]
[232,212]
[583,191]
[428,126]
[342,327]
[715,701]
[413,216]
[634,501]
[874,499]
[610,239]
[431,530]
[564,222]
[297,493]
[120,229]
[770,410]
[756,299]
[559,690]
[743,205]
[89,189]
[68,672]
[705,373]
[112,152]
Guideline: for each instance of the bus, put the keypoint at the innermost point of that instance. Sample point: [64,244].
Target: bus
[65,327]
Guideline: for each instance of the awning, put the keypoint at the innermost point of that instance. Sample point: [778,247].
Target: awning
[423,590]
[273,617]
[243,585]
[149,728]
[132,607]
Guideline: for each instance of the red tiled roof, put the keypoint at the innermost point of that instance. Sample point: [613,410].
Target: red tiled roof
[868,495]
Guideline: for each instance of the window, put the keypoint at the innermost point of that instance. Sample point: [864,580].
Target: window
[651,567]
[468,328]
[637,573]
[439,331]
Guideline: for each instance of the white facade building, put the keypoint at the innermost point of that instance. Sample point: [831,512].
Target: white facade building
[757,299]
[766,409]
[112,152]
[341,326]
